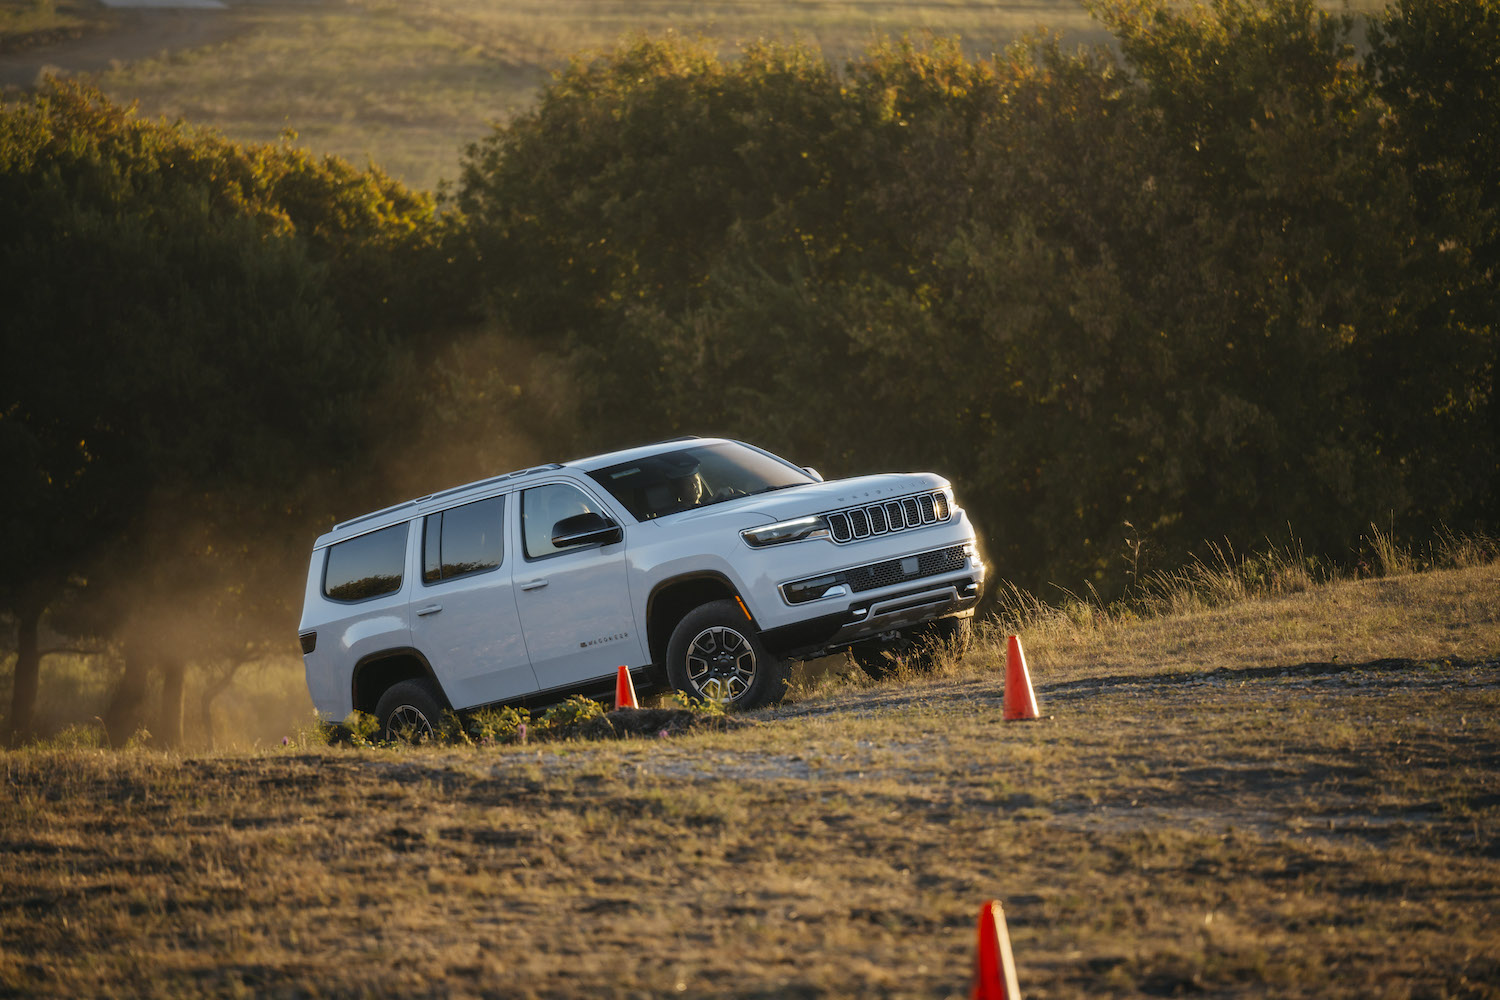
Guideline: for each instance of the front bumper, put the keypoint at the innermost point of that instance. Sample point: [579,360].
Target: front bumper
[869,618]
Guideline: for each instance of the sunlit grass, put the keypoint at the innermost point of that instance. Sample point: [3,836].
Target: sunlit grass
[410,85]
[28,22]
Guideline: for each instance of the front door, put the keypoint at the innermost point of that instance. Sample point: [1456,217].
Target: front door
[574,602]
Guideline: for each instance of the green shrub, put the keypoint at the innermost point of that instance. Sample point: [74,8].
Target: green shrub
[497,725]
[571,712]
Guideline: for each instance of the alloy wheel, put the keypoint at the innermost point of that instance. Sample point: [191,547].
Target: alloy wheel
[721,664]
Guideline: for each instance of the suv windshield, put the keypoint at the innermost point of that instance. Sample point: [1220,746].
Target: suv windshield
[695,476]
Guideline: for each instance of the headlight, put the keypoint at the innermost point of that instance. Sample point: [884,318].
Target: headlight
[786,531]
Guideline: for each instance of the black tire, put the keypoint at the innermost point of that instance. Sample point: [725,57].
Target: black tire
[716,654]
[917,648]
[410,712]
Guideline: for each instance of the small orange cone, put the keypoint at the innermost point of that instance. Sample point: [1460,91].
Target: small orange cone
[1020,700]
[625,690]
[994,965]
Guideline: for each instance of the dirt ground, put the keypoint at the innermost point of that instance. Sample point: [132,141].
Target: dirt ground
[1289,796]
[131,35]
[1310,829]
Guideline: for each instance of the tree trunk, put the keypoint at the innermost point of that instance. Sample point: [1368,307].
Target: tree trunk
[28,670]
[173,672]
[124,714]
[214,688]
[206,718]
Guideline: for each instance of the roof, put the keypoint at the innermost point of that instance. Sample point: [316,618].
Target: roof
[408,509]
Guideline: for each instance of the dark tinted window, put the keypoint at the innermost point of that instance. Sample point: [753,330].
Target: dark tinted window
[432,549]
[463,540]
[694,476]
[368,566]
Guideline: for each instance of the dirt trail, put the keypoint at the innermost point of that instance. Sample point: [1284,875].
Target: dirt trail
[141,33]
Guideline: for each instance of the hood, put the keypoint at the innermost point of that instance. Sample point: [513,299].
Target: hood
[818,498]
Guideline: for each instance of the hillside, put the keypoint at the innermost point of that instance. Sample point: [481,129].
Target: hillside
[1294,797]
[409,86]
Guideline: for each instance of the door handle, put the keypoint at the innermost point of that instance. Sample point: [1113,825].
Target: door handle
[431,609]
[534,585]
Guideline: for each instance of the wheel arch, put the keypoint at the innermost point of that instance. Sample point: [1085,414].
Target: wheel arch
[671,600]
[376,673]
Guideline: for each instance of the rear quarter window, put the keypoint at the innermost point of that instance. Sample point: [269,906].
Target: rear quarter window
[463,540]
[368,566]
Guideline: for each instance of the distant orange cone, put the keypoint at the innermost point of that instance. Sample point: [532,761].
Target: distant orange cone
[1020,700]
[994,965]
[625,690]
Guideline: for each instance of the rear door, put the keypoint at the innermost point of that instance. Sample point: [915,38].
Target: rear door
[574,602]
[463,610]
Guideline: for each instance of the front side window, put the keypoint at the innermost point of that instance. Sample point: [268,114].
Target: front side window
[542,507]
[463,540]
[368,566]
[689,477]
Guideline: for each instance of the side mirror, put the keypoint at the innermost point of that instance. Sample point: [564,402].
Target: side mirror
[587,528]
[817,476]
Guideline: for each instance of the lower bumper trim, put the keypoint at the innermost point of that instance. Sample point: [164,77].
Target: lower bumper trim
[832,633]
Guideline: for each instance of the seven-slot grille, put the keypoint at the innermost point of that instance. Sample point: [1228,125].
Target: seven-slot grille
[854,523]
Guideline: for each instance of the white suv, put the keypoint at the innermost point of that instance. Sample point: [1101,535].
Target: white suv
[702,564]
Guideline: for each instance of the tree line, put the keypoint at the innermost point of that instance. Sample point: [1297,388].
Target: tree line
[1235,273]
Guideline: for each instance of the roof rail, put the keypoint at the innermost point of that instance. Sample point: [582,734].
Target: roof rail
[445,493]
[487,482]
[373,514]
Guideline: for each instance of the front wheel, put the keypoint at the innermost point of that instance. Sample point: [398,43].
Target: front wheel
[716,654]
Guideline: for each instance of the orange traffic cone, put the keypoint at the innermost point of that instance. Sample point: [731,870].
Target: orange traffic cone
[994,965]
[1020,700]
[625,690]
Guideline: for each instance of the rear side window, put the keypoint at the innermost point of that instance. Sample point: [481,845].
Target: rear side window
[368,566]
[463,540]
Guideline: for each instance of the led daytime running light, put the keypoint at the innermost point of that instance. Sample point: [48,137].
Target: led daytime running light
[786,531]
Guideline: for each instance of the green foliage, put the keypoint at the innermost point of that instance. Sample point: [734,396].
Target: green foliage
[571,712]
[698,706]
[74,736]
[193,329]
[497,725]
[360,729]
[1200,290]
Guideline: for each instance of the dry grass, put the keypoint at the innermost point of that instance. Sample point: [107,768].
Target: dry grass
[26,24]
[409,85]
[1295,796]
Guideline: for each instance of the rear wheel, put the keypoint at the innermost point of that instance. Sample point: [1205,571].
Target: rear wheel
[917,647]
[716,654]
[410,712]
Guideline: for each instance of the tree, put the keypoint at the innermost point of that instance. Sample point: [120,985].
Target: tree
[182,334]
[1437,65]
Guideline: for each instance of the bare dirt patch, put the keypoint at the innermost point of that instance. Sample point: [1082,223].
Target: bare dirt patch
[1305,828]
[127,36]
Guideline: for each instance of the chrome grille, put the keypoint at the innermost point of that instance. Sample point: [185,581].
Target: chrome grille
[854,523]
